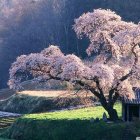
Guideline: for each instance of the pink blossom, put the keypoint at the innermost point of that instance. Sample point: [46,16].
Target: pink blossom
[116,67]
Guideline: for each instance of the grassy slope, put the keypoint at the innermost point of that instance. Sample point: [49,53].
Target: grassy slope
[49,100]
[67,125]
[71,125]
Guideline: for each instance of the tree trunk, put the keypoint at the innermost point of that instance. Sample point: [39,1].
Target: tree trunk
[108,105]
[113,116]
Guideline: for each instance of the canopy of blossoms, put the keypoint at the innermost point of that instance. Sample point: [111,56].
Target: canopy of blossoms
[116,65]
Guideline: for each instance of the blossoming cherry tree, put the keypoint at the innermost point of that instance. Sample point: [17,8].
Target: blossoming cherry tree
[114,71]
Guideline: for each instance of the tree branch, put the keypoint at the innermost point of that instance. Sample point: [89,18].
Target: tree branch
[123,78]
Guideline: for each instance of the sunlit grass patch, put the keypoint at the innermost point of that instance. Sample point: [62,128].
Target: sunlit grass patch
[67,125]
[82,114]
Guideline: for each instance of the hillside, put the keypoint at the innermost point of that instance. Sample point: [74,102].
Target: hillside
[71,125]
[36,98]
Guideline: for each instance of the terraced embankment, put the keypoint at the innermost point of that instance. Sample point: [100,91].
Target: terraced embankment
[6,119]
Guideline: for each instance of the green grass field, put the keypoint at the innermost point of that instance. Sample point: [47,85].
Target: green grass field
[80,114]
[71,125]
[64,125]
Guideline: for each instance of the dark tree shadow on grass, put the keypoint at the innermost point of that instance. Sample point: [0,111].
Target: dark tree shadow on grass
[32,129]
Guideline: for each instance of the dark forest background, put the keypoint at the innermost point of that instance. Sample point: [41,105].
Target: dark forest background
[30,25]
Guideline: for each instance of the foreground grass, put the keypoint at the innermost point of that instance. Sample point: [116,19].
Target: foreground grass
[64,125]
[71,125]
